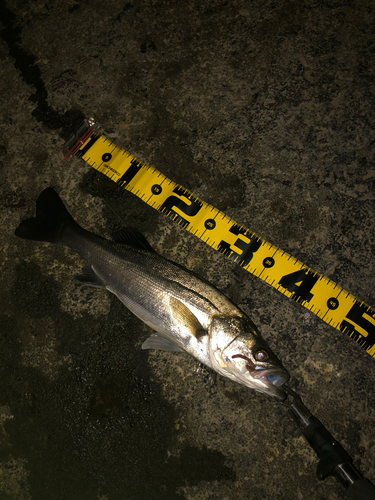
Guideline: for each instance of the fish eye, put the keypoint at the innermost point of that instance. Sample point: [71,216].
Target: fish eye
[261,355]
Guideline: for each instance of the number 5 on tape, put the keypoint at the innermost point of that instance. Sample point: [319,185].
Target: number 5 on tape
[291,277]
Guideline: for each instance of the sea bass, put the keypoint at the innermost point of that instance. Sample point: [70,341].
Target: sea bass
[186,312]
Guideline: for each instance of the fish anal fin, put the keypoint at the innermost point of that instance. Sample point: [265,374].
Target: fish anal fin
[184,317]
[157,341]
[89,277]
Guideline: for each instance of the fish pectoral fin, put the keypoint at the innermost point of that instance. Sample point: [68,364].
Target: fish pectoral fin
[157,341]
[89,277]
[186,318]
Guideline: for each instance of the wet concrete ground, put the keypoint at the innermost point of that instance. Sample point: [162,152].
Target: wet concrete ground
[263,109]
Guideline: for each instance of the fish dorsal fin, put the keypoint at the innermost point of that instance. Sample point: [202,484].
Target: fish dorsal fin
[157,341]
[89,277]
[133,237]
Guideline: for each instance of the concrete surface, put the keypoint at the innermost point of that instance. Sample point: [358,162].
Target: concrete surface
[264,109]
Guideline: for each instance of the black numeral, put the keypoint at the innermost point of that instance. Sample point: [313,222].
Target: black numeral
[300,283]
[131,172]
[173,202]
[356,316]
[247,250]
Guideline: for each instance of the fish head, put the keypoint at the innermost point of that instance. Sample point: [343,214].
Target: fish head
[238,352]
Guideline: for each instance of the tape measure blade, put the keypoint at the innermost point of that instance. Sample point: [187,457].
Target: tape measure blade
[282,271]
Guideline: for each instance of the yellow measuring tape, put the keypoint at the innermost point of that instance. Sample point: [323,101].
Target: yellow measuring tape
[291,277]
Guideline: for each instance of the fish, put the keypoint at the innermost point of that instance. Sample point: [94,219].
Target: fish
[186,312]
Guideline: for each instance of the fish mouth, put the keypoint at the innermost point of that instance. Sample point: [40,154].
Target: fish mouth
[272,378]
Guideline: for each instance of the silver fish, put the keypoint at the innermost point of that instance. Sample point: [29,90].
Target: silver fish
[186,312]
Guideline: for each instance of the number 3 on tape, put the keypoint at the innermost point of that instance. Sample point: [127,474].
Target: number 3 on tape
[291,277]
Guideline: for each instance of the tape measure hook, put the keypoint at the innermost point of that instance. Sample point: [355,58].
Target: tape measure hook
[79,137]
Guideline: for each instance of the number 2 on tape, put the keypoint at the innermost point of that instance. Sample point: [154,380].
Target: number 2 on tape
[291,277]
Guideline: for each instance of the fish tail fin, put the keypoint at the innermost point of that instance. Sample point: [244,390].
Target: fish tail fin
[51,219]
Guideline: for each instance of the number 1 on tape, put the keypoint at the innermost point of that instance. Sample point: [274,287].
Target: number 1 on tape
[291,277]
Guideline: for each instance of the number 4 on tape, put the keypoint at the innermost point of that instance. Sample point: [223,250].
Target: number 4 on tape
[291,277]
